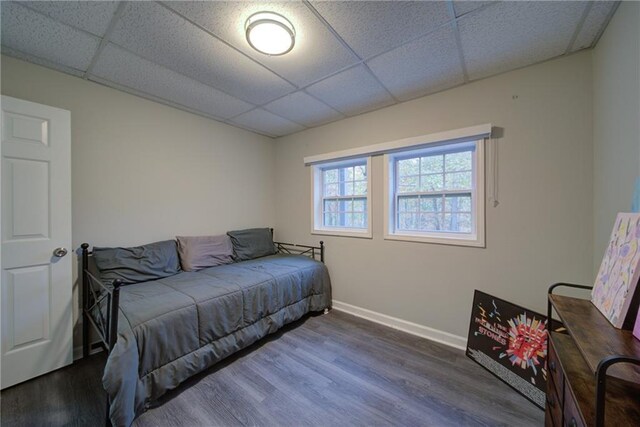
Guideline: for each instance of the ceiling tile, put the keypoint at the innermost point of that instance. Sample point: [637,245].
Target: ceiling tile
[266,122]
[39,61]
[464,7]
[371,27]
[161,36]
[91,16]
[317,52]
[304,109]
[426,65]
[593,24]
[353,91]
[127,69]
[510,35]
[35,34]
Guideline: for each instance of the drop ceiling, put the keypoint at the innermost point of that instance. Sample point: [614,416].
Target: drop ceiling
[350,57]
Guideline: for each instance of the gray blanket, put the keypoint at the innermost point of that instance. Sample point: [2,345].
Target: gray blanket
[175,327]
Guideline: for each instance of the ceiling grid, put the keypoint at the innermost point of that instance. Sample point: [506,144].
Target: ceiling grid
[105,38]
[574,37]
[454,24]
[349,58]
[346,45]
[609,16]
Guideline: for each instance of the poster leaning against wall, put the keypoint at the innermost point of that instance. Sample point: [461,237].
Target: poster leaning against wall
[510,342]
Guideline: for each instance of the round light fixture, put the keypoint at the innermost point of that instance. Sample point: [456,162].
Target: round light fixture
[270,33]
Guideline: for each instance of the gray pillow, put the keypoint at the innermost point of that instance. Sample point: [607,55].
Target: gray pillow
[252,243]
[138,264]
[198,252]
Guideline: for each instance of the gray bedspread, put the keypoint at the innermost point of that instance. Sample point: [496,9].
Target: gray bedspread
[175,327]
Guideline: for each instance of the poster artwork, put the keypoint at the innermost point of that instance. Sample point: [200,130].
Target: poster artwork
[511,343]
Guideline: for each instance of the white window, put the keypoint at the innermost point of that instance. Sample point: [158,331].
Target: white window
[341,204]
[436,194]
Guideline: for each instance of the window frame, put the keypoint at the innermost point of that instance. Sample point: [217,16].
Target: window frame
[317,223]
[477,236]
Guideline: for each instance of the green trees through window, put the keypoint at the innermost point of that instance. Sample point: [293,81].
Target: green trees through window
[433,191]
[344,196]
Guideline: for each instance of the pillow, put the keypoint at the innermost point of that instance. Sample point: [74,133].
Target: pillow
[252,243]
[139,264]
[204,251]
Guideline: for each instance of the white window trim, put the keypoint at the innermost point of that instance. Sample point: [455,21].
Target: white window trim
[465,134]
[476,239]
[316,204]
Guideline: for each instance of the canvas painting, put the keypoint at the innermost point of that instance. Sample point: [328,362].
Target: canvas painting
[636,329]
[510,342]
[619,272]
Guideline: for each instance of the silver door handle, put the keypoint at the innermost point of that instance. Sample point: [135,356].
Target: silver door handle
[59,252]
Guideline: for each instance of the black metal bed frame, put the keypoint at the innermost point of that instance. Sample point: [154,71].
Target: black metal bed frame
[94,292]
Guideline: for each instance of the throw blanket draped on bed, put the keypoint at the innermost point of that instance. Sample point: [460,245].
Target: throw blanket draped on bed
[171,329]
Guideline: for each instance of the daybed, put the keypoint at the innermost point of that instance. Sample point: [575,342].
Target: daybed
[159,333]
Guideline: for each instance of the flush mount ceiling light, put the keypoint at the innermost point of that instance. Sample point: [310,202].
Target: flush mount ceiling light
[270,33]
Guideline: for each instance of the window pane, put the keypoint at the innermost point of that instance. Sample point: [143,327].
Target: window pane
[331,190]
[464,223]
[407,204]
[458,181]
[431,164]
[450,224]
[330,176]
[458,161]
[441,201]
[330,219]
[408,167]
[347,188]
[344,197]
[457,222]
[431,204]
[359,220]
[359,205]
[408,184]
[407,221]
[457,204]
[431,182]
[344,220]
[360,188]
[430,222]
[346,205]
[347,174]
[331,206]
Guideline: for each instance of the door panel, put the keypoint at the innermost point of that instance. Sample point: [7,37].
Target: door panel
[20,128]
[36,288]
[27,296]
[28,187]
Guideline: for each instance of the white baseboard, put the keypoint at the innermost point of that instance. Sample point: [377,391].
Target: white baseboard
[403,325]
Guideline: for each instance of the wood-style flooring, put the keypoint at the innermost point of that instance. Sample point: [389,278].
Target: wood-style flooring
[326,370]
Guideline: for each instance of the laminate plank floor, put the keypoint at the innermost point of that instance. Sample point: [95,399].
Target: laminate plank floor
[325,370]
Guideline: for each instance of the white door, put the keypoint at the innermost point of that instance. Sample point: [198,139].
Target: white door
[36,288]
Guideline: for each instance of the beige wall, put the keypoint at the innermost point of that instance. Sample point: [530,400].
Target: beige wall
[616,120]
[541,232]
[142,171]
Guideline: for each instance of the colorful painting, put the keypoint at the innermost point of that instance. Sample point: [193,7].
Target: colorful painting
[619,272]
[511,343]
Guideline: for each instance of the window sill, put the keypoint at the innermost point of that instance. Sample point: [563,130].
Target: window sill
[451,241]
[365,234]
